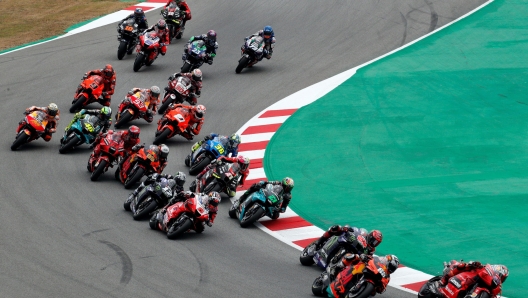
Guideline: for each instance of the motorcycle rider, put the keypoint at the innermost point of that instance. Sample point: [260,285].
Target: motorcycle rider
[344,271]
[52,112]
[495,289]
[373,238]
[231,146]
[150,98]
[269,41]
[109,79]
[285,195]
[163,33]
[211,200]
[179,180]
[242,161]
[140,19]
[102,124]
[183,7]
[129,137]
[210,44]
[196,82]
[195,123]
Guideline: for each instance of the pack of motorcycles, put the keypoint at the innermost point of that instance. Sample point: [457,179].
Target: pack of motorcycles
[182,217]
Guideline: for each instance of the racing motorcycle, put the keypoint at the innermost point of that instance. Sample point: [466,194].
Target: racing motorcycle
[259,204]
[141,163]
[129,37]
[474,283]
[175,122]
[178,91]
[364,278]
[202,156]
[334,248]
[91,89]
[252,50]
[34,126]
[134,107]
[174,18]
[150,198]
[82,131]
[217,179]
[110,149]
[147,50]
[180,217]
[196,53]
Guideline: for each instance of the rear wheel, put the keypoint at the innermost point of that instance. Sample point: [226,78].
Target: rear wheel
[179,35]
[305,258]
[153,222]
[134,178]
[162,137]
[98,170]
[178,227]
[121,50]
[145,208]
[138,62]
[65,147]
[124,119]
[186,67]
[243,63]
[199,166]
[77,105]
[22,138]
[214,186]
[363,292]
[165,105]
[232,212]
[255,213]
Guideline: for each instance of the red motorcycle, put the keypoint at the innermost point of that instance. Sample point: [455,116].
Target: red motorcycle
[142,163]
[132,108]
[34,126]
[175,122]
[180,217]
[110,149]
[147,50]
[178,92]
[475,283]
[91,89]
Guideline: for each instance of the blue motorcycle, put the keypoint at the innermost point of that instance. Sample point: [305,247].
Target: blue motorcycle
[196,53]
[83,131]
[202,156]
[259,204]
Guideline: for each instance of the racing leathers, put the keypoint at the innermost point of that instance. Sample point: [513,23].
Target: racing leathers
[163,35]
[269,44]
[109,85]
[285,196]
[51,127]
[209,45]
[151,102]
[196,88]
[231,189]
[94,117]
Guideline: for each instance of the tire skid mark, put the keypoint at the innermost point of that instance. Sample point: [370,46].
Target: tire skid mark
[434,16]
[404,29]
[125,261]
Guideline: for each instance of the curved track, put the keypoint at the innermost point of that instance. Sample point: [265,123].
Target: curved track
[63,235]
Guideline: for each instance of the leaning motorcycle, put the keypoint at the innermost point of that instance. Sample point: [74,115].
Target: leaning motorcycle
[180,217]
[91,89]
[365,279]
[259,204]
[174,18]
[34,126]
[175,122]
[110,149]
[178,91]
[142,163]
[129,37]
[196,53]
[217,179]
[147,50]
[251,51]
[82,131]
[150,198]
[134,107]
[203,155]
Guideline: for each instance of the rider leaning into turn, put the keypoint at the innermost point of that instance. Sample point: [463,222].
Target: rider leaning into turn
[242,161]
[210,44]
[197,114]
[210,200]
[373,238]
[495,290]
[285,195]
[130,138]
[179,180]
[230,144]
[52,115]
[163,33]
[140,19]
[269,41]
[196,82]
[150,98]
[183,7]
[103,122]
[109,80]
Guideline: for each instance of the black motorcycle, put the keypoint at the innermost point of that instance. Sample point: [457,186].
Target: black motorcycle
[251,51]
[150,198]
[174,18]
[129,37]
[218,179]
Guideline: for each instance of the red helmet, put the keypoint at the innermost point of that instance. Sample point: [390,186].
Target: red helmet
[199,111]
[108,71]
[243,162]
[374,238]
[132,135]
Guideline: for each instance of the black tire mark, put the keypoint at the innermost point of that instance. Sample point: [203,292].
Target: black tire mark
[404,29]
[125,261]
[434,16]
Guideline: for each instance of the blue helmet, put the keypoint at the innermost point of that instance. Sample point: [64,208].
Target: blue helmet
[267,32]
[139,14]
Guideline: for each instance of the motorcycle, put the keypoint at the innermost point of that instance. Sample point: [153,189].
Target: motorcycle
[259,204]
[175,122]
[202,156]
[174,18]
[178,91]
[128,40]
[333,249]
[365,279]
[149,199]
[34,126]
[133,108]
[180,217]
[81,131]
[474,283]
[110,149]
[217,179]
[196,53]
[147,50]
[91,89]
[251,51]
[142,163]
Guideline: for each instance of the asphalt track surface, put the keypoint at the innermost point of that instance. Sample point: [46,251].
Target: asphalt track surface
[64,236]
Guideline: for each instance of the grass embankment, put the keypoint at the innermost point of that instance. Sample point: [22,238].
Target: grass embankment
[24,21]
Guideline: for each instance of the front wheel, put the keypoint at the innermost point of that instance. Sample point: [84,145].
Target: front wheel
[318,287]
[138,62]
[214,186]
[69,145]
[242,64]
[77,105]
[124,119]
[98,170]
[363,292]
[22,138]
[121,50]
[199,166]
[425,290]
[186,67]
[178,227]
[145,208]
[305,258]
[162,137]
[165,105]
[134,178]
[256,213]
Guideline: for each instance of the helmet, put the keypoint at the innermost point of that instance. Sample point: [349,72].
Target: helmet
[392,263]
[199,111]
[180,178]
[106,113]
[155,91]
[346,228]
[179,1]
[164,151]
[138,13]
[108,71]
[287,183]
[502,271]
[234,140]
[267,32]
[374,238]
[197,75]
[214,198]
[211,37]
[53,109]
[161,24]
[243,162]
[132,135]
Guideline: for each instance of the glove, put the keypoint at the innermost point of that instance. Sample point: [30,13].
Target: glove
[85,76]
[474,264]
[105,94]
[261,183]
[207,138]
[198,92]
[137,147]
[208,223]
[364,258]
[282,210]
[210,61]
[191,39]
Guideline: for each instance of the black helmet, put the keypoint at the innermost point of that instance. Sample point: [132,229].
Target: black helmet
[180,178]
[138,13]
